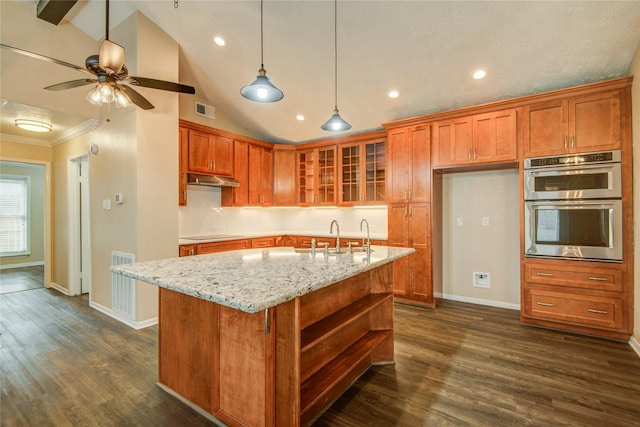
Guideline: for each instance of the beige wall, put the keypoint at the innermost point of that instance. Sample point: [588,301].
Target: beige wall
[635,101]
[36,174]
[472,247]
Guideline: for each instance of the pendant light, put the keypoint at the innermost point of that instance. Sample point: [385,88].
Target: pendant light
[262,90]
[336,123]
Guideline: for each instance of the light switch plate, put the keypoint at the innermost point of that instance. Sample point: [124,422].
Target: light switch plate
[106,204]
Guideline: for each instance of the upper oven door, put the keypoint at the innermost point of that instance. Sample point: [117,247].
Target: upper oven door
[573,182]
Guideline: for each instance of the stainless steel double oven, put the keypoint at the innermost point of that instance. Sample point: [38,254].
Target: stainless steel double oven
[573,206]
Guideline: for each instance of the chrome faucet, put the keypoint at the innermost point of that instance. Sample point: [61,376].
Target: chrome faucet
[338,234]
[368,244]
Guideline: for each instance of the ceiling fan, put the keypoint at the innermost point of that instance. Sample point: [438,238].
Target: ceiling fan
[108,70]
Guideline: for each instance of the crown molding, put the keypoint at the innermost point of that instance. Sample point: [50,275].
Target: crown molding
[5,137]
[75,132]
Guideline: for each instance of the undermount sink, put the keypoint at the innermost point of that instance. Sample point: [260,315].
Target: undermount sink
[320,251]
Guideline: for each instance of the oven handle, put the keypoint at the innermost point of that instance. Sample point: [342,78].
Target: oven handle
[573,170]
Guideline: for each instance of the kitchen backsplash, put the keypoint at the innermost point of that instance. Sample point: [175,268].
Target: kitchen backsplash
[203,215]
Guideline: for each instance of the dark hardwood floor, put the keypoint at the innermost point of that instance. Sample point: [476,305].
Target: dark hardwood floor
[65,364]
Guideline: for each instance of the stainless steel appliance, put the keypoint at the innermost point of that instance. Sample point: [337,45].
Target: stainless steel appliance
[573,206]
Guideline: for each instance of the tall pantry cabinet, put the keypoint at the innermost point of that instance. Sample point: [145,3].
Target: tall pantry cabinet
[411,216]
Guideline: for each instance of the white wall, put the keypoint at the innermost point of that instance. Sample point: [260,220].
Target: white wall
[472,247]
[203,215]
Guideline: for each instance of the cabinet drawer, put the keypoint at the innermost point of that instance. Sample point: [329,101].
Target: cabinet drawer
[263,242]
[305,242]
[607,279]
[230,245]
[601,312]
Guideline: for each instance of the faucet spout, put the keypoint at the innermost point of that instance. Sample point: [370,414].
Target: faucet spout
[368,244]
[337,234]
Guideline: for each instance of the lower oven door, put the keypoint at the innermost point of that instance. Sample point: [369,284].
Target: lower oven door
[583,229]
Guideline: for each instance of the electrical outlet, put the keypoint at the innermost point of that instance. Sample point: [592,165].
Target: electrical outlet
[481,280]
[485,221]
[459,221]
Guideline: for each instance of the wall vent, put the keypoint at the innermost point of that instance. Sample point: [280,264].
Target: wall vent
[205,110]
[123,289]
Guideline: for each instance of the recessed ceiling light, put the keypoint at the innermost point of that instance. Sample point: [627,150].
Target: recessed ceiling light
[394,94]
[480,74]
[219,41]
[33,125]
[300,117]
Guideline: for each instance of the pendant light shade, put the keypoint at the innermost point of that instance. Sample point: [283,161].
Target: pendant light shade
[262,90]
[335,122]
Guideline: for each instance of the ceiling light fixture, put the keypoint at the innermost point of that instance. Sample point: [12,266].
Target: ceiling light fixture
[219,41]
[480,74]
[34,125]
[336,123]
[300,117]
[394,94]
[105,93]
[262,90]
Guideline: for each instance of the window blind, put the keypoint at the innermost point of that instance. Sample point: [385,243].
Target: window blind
[14,197]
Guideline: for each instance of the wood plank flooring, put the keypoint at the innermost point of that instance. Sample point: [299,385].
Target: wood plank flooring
[21,279]
[65,364]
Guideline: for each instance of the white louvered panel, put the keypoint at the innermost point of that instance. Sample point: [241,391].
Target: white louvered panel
[123,290]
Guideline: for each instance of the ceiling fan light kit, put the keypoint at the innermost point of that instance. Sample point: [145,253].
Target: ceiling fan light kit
[262,90]
[335,122]
[33,125]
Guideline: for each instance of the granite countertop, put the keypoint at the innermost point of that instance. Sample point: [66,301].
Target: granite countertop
[253,280]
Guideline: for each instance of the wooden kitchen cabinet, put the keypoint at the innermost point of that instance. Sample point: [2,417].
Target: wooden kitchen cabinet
[284,175]
[409,164]
[260,176]
[362,173]
[583,296]
[573,125]
[410,226]
[183,165]
[316,171]
[187,250]
[227,245]
[238,196]
[263,242]
[210,153]
[477,139]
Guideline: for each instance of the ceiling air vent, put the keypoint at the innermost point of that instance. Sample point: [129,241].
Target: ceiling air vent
[205,110]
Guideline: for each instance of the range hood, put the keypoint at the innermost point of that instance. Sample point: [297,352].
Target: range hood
[211,180]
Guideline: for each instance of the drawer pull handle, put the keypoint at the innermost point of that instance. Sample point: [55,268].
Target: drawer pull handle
[545,304]
[599,279]
[545,274]
[593,310]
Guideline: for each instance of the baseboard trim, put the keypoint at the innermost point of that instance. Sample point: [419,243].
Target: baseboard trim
[22,264]
[635,345]
[59,288]
[131,323]
[192,405]
[479,301]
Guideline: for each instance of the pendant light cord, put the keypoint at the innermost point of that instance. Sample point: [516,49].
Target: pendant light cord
[261,35]
[335,50]
[106,37]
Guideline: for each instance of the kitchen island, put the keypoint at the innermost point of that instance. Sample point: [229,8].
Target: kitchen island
[270,337]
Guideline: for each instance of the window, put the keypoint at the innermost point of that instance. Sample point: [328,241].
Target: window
[14,215]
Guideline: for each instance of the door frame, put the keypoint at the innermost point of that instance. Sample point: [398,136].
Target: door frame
[79,253]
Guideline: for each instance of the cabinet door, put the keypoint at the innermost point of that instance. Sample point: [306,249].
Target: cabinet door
[398,165]
[222,155]
[420,238]
[238,196]
[350,174]
[594,122]
[452,142]
[374,164]
[420,155]
[199,155]
[398,233]
[187,250]
[266,177]
[255,176]
[326,176]
[183,166]
[494,137]
[284,177]
[545,128]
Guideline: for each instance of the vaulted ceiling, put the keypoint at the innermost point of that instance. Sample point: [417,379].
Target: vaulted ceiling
[426,50]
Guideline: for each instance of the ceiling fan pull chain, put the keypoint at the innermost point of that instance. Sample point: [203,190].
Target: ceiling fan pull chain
[175,4]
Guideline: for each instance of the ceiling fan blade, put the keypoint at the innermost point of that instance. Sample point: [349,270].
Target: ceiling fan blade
[136,98]
[111,57]
[160,84]
[71,84]
[45,58]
